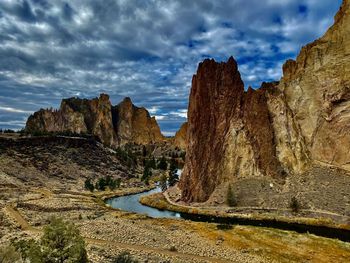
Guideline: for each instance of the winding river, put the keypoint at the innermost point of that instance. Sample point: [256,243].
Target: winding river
[131,203]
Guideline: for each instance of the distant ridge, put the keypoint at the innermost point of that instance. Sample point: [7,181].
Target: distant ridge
[113,125]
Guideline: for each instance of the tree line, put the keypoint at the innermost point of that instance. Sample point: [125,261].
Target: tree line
[102,184]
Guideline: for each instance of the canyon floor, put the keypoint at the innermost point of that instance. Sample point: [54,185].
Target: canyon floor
[34,189]
[24,212]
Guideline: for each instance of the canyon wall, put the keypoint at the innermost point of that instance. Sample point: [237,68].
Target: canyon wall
[273,132]
[113,125]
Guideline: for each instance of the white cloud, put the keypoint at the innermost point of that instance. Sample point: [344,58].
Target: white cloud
[13,110]
[147,50]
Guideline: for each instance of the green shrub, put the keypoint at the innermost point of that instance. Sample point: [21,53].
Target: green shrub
[231,198]
[163,165]
[150,163]
[224,227]
[173,249]
[101,184]
[173,165]
[294,205]
[163,183]
[61,242]
[146,174]
[125,257]
[89,185]
[9,254]
[173,178]
[127,157]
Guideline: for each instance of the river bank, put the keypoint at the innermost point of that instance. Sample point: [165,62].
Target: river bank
[319,226]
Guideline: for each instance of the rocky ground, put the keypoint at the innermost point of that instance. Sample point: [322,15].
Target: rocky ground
[66,162]
[320,189]
[42,180]
[109,232]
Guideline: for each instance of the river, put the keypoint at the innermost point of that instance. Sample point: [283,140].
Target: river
[131,203]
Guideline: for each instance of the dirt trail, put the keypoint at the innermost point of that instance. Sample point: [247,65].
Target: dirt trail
[18,218]
[225,209]
[16,215]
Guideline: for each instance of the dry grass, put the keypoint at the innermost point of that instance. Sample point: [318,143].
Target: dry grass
[158,201]
[276,245]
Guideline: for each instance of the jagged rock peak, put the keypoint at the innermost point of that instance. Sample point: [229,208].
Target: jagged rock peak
[113,125]
[215,99]
[135,124]
[180,138]
[276,131]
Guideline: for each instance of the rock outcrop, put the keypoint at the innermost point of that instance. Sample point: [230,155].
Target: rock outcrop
[276,131]
[317,90]
[113,125]
[180,137]
[134,124]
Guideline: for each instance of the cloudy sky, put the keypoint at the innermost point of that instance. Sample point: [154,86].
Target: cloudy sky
[145,49]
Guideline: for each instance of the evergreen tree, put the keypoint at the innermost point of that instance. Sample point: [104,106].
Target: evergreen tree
[113,184]
[101,184]
[163,165]
[152,163]
[144,151]
[89,185]
[173,178]
[146,174]
[173,165]
[231,198]
[163,183]
[294,205]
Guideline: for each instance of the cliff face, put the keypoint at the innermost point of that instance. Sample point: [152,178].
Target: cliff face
[317,90]
[230,134]
[77,116]
[134,124]
[113,125]
[215,100]
[180,137]
[275,131]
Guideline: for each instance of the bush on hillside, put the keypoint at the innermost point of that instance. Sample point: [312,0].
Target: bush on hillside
[231,198]
[9,254]
[61,242]
[89,185]
[125,257]
[294,205]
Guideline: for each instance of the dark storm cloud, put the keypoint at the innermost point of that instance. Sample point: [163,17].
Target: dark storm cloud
[147,50]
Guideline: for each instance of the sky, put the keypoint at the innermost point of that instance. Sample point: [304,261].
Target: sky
[144,49]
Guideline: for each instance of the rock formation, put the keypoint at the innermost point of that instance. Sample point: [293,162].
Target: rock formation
[180,137]
[113,125]
[134,124]
[276,131]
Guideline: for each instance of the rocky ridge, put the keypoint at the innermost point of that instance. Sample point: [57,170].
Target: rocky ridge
[113,125]
[274,132]
[134,124]
[180,137]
